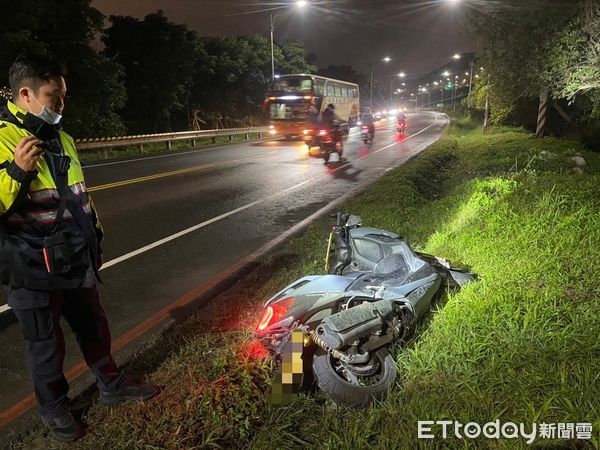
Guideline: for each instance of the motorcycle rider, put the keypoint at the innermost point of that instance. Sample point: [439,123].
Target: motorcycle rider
[369,122]
[330,121]
[401,120]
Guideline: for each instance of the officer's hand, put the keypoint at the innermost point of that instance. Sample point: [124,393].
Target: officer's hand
[27,154]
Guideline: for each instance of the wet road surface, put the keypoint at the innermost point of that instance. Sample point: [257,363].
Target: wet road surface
[174,221]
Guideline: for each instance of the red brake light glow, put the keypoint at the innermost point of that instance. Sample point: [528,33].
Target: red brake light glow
[323,133]
[275,312]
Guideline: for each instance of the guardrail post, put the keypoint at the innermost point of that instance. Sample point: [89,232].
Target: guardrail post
[247,136]
[193,142]
[214,139]
[169,147]
[142,148]
[105,152]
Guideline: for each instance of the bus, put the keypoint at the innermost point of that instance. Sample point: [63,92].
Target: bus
[297,101]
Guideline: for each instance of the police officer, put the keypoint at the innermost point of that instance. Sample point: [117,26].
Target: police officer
[50,246]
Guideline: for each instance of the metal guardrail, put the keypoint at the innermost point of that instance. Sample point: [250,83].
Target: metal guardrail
[168,138]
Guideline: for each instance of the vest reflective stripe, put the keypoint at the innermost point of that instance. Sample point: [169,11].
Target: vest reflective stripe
[49,195]
[47,217]
[78,188]
[44,196]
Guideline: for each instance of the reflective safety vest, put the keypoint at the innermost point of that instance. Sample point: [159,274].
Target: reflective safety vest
[34,217]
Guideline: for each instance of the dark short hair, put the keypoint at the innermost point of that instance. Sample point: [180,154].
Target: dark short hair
[32,70]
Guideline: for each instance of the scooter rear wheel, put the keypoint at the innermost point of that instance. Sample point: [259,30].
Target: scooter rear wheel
[356,392]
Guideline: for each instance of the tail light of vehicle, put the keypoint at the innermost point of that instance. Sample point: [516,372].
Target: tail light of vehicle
[365,128]
[307,132]
[322,132]
[275,312]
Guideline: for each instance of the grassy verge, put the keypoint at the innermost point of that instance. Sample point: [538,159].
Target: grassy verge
[520,345]
[159,147]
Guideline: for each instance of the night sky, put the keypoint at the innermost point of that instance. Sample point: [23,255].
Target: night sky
[419,35]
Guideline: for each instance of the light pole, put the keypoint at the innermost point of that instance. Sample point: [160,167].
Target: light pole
[299,4]
[454,93]
[387,59]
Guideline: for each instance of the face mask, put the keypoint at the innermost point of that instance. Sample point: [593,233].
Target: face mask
[47,115]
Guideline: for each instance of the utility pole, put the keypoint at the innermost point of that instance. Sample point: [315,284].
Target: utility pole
[542,111]
[454,96]
[471,75]
[371,102]
[272,51]
[486,114]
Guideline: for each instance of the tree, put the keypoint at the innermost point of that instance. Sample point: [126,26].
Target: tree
[527,47]
[293,58]
[574,62]
[63,30]
[159,58]
[231,79]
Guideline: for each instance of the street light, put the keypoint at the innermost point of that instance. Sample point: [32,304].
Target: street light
[299,4]
[386,59]
[457,56]
[401,74]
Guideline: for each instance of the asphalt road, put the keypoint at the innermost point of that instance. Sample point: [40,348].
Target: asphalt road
[174,221]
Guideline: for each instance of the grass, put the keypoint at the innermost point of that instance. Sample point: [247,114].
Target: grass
[520,345]
[158,147]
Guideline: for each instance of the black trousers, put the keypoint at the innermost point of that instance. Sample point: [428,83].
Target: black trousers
[45,341]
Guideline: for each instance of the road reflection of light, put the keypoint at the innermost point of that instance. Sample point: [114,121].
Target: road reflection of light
[303,149]
[400,137]
[363,152]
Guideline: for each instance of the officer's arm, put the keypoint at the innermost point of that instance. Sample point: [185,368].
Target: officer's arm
[11,178]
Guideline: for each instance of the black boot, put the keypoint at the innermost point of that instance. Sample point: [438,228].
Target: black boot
[64,428]
[127,392]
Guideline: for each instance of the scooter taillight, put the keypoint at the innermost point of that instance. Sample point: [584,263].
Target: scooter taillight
[322,132]
[364,128]
[275,312]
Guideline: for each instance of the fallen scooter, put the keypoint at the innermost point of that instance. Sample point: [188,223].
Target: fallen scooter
[376,291]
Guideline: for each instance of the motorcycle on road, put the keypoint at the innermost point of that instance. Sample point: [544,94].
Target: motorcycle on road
[401,127]
[376,290]
[328,141]
[367,134]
